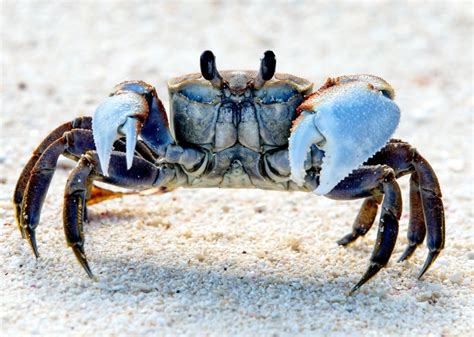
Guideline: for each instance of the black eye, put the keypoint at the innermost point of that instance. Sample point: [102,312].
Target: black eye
[199,93]
[275,94]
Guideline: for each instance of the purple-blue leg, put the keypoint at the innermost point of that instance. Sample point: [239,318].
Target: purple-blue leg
[364,220]
[34,182]
[416,224]
[426,205]
[142,174]
[72,144]
[373,181]
[433,210]
[19,192]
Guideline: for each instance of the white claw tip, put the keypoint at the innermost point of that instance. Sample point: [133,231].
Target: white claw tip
[130,129]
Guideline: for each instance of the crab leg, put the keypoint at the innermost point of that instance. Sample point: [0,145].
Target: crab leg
[74,143]
[426,205]
[18,194]
[142,174]
[433,210]
[374,181]
[363,221]
[416,225]
[84,123]
[71,144]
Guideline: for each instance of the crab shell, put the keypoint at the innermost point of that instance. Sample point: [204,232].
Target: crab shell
[201,94]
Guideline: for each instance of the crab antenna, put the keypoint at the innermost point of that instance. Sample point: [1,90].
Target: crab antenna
[209,69]
[267,69]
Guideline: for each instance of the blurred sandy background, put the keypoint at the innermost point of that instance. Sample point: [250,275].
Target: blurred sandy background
[233,262]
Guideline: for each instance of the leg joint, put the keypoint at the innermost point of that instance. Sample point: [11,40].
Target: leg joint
[88,159]
[388,173]
[82,123]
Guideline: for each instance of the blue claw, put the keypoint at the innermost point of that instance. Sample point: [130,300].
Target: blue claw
[120,114]
[356,117]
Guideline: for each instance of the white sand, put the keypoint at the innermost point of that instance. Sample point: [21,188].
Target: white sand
[174,264]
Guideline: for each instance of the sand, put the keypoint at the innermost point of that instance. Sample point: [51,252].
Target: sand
[233,262]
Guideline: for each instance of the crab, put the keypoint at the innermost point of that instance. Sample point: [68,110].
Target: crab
[244,129]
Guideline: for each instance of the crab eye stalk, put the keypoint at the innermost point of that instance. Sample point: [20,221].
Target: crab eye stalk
[209,69]
[267,69]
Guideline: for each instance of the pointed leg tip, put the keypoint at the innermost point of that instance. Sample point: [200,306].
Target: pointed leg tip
[342,242]
[31,237]
[408,252]
[354,289]
[432,255]
[346,240]
[422,272]
[402,258]
[373,269]
[81,257]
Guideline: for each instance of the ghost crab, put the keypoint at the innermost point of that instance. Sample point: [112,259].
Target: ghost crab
[244,129]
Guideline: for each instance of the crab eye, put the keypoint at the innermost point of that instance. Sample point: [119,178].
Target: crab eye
[275,94]
[199,93]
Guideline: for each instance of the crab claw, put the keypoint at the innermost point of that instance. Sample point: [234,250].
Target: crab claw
[304,134]
[120,114]
[349,119]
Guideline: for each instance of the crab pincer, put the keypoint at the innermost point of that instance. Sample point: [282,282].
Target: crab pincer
[121,114]
[350,119]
